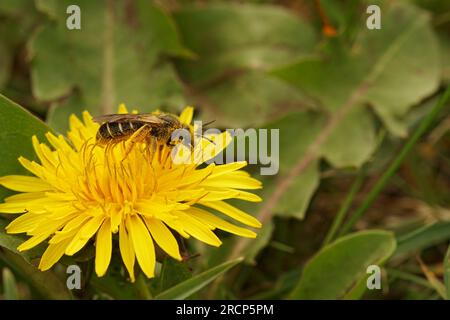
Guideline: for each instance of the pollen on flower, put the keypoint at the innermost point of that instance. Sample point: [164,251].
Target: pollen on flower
[84,193]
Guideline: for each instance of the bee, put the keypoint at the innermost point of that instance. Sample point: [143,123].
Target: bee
[149,128]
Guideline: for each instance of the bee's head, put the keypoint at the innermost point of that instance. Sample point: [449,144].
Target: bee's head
[181,134]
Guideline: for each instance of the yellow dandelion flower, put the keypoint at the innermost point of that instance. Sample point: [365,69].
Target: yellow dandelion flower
[80,191]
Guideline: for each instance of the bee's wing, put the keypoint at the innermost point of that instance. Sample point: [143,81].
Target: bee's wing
[114,117]
[149,118]
[144,117]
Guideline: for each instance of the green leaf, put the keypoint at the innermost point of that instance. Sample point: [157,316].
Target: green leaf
[340,267]
[5,63]
[115,58]
[237,43]
[187,288]
[391,69]
[13,7]
[352,142]
[297,131]
[258,244]
[17,20]
[445,48]
[265,98]
[240,36]
[345,16]
[47,283]
[9,285]
[58,115]
[12,241]
[422,238]
[18,126]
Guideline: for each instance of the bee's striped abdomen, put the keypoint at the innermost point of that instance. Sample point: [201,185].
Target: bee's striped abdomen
[118,129]
[104,132]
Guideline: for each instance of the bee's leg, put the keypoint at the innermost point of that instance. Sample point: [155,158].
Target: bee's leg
[139,136]
[109,156]
[183,248]
[184,252]
[151,148]
[122,164]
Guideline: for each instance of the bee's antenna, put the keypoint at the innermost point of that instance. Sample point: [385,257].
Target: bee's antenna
[205,137]
[209,122]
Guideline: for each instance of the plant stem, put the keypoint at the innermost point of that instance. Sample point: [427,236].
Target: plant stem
[339,218]
[141,287]
[381,183]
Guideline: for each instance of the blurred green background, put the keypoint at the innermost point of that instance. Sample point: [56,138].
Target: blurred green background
[288,64]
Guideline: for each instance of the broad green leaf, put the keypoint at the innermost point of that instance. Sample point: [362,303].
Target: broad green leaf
[345,16]
[187,288]
[47,283]
[5,63]
[13,7]
[115,58]
[240,36]
[435,6]
[340,267]
[445,48]
[12,241]
[353,141]
[17,127]
[257,245]
[297,132]
[58,116]
[17,19]
[391,69]
[249,100]
[237,43]
[357,291]
[9,285]
[440,10]
[422,238]
[296,200]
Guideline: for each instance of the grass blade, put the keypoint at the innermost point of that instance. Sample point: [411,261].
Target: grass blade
[381,183]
